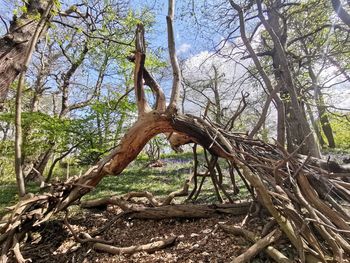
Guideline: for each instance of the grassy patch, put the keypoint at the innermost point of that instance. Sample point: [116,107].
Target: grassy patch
[137,177]
[9,196]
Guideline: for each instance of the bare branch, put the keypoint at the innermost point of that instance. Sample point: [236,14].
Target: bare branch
[7,29]
[155,87]
[342,14]
[140,57]
[264,112]
[172,53]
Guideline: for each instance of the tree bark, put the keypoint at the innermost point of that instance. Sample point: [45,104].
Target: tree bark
[315,126]
[300,135]
[15,44]
[324,120]
[321,108]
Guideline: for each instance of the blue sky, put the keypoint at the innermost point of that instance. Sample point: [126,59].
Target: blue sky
[189,40]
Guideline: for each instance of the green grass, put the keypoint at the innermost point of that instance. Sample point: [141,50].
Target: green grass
[137,177]
[9,196]
[159,181]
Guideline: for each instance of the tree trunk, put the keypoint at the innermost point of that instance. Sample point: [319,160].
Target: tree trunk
[15,45]
[215,88]
[281,123]
[299,131]
[37,172]
[40,27]
[321,107]
[324,120]
[315,126]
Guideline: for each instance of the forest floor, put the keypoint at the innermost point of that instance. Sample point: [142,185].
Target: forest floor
[198,240]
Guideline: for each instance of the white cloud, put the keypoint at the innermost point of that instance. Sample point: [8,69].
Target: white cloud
[183,48]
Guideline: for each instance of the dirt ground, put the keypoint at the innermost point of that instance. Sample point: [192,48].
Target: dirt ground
[198,240]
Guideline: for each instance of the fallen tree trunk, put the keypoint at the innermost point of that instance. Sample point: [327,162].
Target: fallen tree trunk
[328,165]
[170,211]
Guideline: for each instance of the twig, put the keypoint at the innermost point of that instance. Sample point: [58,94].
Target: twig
[88,237]
[150,247]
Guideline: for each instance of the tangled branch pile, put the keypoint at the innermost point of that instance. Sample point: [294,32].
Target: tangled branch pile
[310,203]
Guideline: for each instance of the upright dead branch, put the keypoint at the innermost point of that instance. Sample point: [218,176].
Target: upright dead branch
[153,84]
[174,63]
[140,57]
[156,89]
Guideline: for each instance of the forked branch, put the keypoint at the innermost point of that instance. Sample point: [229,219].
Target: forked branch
[155,87]
[140,56]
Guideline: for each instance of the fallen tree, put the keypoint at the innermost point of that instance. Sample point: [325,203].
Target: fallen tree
[307,202]
[170,211]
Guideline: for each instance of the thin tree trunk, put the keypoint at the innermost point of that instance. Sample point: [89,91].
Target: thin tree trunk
[18,121]
[37,172]
[279,104]
[321,108]
[281,123]
[324,120]
[215,87]
[315,126]
[341,12]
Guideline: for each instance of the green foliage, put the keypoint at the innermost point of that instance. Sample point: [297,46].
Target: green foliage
[41,131]
[341,128]
[103,125]
[23,9]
